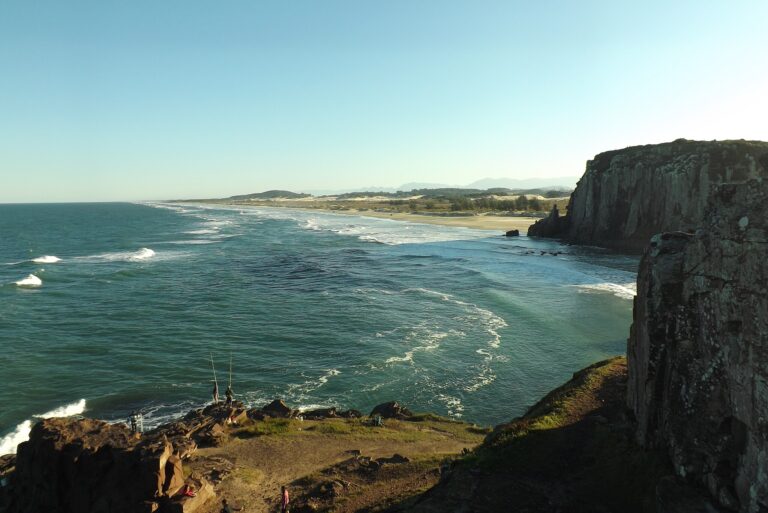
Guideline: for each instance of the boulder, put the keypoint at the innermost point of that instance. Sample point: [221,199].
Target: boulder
[512,233]
[698,352]
[350,414]
[319,414]
[277,408]
[214,436]
[394,459]
[391,410]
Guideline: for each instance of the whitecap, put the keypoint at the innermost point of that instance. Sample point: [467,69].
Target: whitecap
[20,434]
[46,259]
[30,281]
[625,291]
[203,231]
[124,256]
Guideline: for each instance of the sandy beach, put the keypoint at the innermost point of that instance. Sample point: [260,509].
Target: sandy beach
[479,222]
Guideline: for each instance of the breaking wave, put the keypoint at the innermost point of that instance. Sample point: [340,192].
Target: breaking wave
[625,291]
[9,442]
[30,281]
[46,259]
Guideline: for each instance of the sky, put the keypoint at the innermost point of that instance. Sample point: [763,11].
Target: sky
[110,100]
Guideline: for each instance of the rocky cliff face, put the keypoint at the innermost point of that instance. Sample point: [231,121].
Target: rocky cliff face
[698,348]
[90,465]
[626,196]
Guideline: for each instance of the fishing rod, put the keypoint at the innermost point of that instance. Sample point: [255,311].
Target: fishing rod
[214,371]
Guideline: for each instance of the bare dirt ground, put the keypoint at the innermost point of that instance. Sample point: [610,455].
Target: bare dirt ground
[306,456]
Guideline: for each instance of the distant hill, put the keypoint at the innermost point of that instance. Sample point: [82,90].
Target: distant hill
[456,192]
[274,194]
[424,185]
[563,182]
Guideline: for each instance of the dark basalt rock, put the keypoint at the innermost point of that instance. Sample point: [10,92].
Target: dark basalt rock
[278,408]
[391,410]
[320,414]
[89,465]
[698,347]
[512,233]
[553,225]
[626,196]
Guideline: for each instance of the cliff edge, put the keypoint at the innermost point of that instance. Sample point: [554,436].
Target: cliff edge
[698,348]
[626,196]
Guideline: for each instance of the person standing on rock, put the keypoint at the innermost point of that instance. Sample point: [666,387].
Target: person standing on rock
[215,392]
[230,395]
[284,500]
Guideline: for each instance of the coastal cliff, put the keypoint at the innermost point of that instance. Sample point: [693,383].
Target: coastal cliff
[626,196]
[698,350]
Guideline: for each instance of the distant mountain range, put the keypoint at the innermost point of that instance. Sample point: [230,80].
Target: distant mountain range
[563,182]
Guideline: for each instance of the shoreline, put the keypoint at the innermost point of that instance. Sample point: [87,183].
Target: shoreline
[477,222]
[483,221]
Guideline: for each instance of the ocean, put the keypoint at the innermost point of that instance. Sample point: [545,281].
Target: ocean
[107,308]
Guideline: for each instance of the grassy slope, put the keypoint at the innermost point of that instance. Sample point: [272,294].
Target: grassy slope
[571,452]
[309,454]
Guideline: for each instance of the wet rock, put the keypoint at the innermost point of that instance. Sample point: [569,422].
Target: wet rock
[512,233]
[391,410]
[697,351]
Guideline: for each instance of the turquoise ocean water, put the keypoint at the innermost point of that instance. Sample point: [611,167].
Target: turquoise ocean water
[107,308]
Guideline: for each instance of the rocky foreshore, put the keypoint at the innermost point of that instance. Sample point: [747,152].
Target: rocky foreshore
[88,465]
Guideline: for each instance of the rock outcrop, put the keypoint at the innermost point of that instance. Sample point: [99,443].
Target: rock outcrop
[626,196]
[77,465]
[698,348]
[90,465]
[391,410]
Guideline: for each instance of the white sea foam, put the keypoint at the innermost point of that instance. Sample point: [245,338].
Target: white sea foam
[47,259]
[453,404]
[9,442]
[30,281]
[624,291]
[370,229]
[299,391]
[203,231]
[432,343]
[123,256]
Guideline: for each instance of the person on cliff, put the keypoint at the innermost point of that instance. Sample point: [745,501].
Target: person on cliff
[284,499]
[215,393]
[230,395]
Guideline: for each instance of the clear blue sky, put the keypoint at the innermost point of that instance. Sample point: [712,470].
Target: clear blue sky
[105,100]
